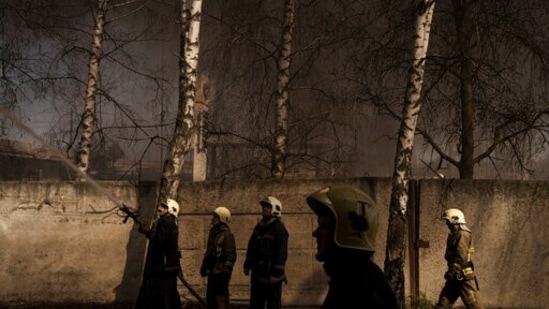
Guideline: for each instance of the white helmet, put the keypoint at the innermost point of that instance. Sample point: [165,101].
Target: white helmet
[173,207]
[276,205]
[223,213]
[454,216]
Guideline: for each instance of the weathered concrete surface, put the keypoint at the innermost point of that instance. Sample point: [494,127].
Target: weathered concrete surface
[306,279]
[510,224]
[55,249]
[59,244]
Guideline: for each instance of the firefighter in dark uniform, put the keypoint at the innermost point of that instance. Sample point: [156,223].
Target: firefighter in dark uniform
[162,266]
[346,234]
[460,278]
[219,260]
[266,257]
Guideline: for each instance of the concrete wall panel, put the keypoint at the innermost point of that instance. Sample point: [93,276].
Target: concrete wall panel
[61,242]
[509,221]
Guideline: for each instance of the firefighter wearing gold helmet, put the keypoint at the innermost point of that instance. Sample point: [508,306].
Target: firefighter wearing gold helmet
[346,241]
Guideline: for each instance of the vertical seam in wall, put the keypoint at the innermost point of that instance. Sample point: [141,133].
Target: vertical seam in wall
[413,236]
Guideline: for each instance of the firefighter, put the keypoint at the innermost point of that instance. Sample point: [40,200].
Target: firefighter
[346,234]
[219,260]
[460,278]
[162,265]
[266,257]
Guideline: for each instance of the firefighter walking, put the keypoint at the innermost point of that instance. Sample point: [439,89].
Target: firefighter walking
[460,278]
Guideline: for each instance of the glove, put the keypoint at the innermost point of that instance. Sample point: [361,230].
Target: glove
[453,273]
[144,228]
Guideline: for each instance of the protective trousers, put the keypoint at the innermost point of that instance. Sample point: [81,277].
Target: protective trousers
[262,293]
[159,291]
[217,291]
[454,289]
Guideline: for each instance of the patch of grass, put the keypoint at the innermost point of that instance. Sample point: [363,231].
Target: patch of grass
[420,302]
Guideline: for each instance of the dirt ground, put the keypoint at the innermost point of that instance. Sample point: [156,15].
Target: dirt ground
[108,306]
[186,305]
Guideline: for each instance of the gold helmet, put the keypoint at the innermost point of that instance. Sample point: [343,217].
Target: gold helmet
[355,213]
[223,213]
[173,207]
[454,216]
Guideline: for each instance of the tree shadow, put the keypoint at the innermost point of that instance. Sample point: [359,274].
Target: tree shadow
[128,289]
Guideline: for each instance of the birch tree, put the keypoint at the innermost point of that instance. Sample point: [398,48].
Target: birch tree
[88,116]
[185,122]
[282,98]
[116,41]
[321,138]
[484,108]
[396,233]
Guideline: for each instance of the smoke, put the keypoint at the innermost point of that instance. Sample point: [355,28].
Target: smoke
[56,153]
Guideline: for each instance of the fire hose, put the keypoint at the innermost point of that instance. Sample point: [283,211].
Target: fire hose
[129,213]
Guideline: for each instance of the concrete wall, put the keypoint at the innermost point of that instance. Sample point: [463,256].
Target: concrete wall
[55,250]
[510,222]
[306,279]
[62,243]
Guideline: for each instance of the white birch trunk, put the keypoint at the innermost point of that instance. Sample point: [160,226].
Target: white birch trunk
[284,60]
[89,116]
[412,106]
[183,133]
[396,234]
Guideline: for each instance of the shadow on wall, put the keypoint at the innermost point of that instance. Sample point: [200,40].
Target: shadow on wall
[311,291]
[136,247]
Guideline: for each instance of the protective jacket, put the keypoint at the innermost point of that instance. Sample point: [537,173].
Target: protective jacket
[159,287]
[163,253]
[267,250]
[220,253]
[356,282]
[459,253]
[218,264]
[460,278]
